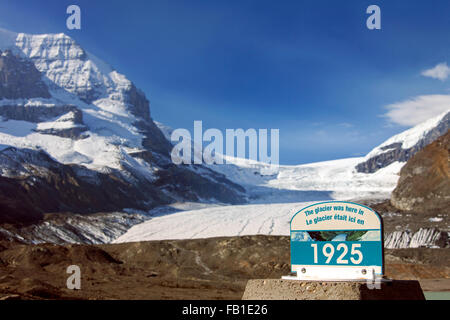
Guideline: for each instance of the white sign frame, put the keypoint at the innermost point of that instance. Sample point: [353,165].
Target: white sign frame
[370,221]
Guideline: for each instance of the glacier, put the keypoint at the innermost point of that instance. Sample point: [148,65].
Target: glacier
[91,118]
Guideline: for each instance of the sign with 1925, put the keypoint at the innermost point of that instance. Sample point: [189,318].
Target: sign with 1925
[337,240]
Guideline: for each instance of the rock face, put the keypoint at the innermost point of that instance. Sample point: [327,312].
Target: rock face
[403,146]
[67,120]
[274,289]
[424,182]
[64,228]
[423,238]
[19,78]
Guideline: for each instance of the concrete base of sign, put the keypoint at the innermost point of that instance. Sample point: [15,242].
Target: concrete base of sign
[279,289]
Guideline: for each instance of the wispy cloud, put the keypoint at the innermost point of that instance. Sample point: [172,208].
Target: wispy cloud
[418,109]
[440,71]
[346,125]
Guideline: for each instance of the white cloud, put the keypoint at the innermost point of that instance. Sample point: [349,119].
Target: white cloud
[440,71]
[418,109]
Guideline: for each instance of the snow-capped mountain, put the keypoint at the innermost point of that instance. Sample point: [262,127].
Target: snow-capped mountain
[401,147]
[77,136]
[76,89]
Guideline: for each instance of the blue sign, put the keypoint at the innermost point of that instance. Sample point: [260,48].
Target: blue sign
[336,240]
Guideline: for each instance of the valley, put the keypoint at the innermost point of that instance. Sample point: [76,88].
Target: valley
[213,268]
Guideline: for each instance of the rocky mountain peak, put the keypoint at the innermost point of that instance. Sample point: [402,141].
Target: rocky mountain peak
[50,47]
[61,72]
[401,147]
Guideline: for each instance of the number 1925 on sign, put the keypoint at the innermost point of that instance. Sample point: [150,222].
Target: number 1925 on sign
[343,253]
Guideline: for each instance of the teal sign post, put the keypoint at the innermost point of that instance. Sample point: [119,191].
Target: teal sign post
[337,240]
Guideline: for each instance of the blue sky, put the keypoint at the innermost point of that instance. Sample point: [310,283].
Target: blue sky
[309,68]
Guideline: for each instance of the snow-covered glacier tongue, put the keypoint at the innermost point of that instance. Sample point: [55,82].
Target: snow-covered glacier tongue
[77,136]
[275,198]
